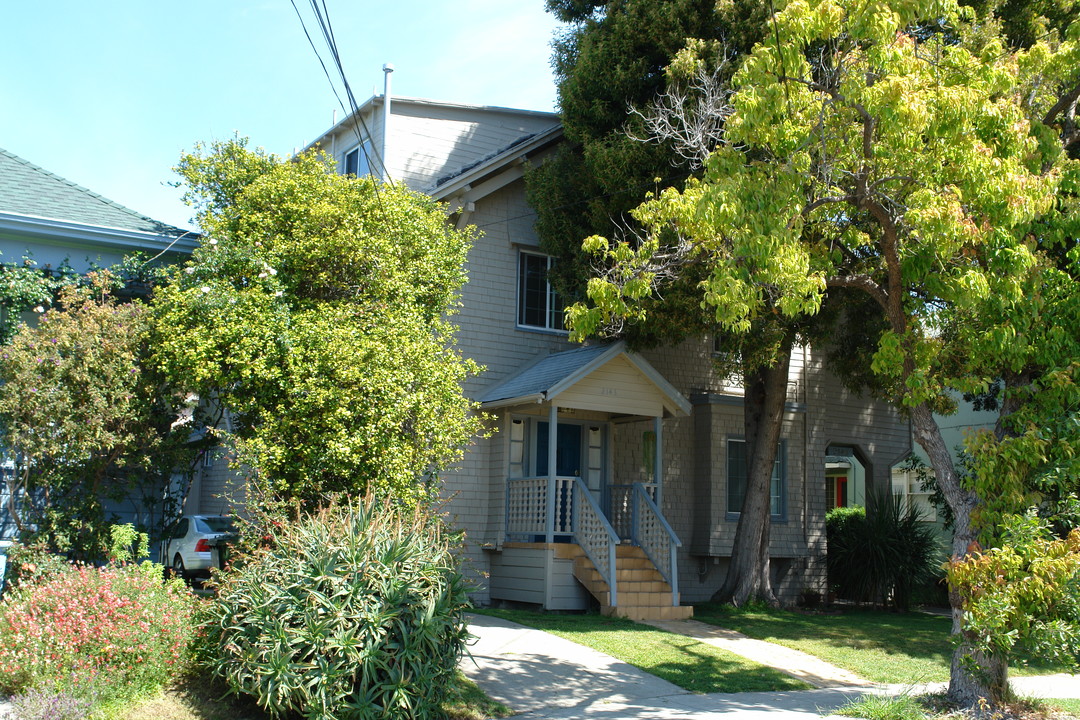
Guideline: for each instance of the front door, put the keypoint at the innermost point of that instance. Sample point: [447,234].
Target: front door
[579,452]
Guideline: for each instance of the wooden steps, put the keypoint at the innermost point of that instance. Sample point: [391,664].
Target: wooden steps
[642,594]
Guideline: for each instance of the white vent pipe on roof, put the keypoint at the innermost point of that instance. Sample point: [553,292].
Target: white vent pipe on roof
[388,69]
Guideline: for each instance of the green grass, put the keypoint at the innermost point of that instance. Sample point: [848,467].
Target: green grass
[880,707]
[879,646]
[1069,705]
[203,699]
[680,660]
[904,648]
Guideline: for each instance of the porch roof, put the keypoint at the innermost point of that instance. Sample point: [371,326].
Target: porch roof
[630,384]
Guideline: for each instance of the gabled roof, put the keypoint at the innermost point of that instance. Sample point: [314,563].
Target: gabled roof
[30,191]
[503,158]
[551,375]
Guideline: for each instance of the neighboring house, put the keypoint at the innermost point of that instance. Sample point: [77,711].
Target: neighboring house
[53,221]
[604,459]
[906,481]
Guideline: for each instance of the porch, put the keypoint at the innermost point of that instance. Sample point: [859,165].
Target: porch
[565,512]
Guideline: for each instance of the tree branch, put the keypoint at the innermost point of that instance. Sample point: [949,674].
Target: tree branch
[861,282]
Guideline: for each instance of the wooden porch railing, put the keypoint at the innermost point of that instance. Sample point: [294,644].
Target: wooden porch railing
[634,518]
[653,534]
[597,538]
[622,508]
[526,508]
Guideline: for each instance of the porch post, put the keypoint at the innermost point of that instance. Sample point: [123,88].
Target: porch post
[553,437]
[658,460]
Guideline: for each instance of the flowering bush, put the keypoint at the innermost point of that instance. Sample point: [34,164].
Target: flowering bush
[116,632]
[44,704]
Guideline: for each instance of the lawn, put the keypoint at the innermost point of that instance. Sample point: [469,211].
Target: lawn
[877,645]
[199,699]
[680,660]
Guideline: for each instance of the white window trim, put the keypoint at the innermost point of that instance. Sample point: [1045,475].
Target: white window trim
[549,296]
[361,148]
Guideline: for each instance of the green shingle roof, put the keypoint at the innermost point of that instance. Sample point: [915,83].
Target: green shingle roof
[26,189]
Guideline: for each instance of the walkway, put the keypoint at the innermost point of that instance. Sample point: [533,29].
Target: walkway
[798,664]
[543,677]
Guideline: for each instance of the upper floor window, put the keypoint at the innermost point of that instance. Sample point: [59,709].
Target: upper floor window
[737,477]
[356,160]
[539,306]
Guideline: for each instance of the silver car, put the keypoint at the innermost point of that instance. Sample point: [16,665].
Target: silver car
[188,548]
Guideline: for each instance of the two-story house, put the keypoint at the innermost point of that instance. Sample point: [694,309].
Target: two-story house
[605,463]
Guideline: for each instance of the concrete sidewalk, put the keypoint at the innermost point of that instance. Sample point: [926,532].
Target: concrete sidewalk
[543,677]
[540,675]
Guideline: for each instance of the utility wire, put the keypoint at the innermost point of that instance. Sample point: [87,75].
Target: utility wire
[322,17]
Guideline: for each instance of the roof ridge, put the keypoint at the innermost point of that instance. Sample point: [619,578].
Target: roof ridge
[167,229]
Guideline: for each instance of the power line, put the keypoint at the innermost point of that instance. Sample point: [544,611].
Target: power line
[322,18]
[353,111]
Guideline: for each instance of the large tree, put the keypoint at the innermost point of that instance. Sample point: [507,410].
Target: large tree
[87,418]
[867,151]
[617,73]
[315,312]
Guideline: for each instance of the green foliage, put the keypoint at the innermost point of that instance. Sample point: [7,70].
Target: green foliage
[85,416]
[881,555]
[23,287]
[127,544]
[315,313]
[32,563]
[616,55]
[353,612]
[103,635]
[883,707]
[932,172]
[1023,597]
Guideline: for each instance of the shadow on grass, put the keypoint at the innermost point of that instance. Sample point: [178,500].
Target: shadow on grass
[677,659]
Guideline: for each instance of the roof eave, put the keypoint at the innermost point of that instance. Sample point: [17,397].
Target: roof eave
[47,228]
[507,402]
[508,156]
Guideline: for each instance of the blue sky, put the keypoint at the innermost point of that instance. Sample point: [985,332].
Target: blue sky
[109,93]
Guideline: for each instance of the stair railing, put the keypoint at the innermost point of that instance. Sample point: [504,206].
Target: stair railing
[653,535]
[596,537]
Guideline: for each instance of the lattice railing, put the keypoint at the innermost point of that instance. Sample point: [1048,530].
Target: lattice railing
[652,534]
[622,508]
[595,535]
[527,507]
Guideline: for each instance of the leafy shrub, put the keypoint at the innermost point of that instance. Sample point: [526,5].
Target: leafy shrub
[1023,598]
[31,564]
[881,556]
[353,612]
[114,632]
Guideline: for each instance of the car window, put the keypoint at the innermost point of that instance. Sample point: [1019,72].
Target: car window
[181,529]
[216,524]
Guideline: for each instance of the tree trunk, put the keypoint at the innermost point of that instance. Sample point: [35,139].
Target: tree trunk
[986,677]
[765,392]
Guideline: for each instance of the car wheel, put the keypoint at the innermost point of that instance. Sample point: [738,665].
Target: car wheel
[178,567]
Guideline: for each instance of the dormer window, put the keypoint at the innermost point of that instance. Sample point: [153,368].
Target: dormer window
[356,161]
